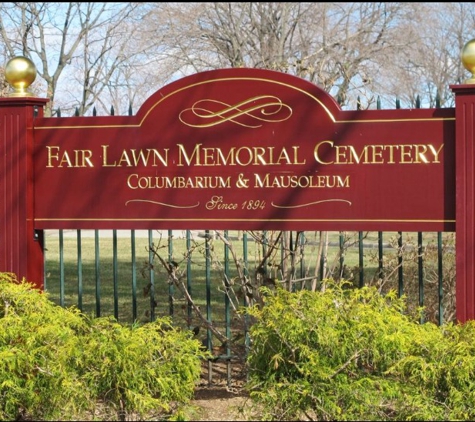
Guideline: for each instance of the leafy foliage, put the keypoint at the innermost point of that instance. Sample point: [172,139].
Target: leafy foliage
[354,354]
[58,364]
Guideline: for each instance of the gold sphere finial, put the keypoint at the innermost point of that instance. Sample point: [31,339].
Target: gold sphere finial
[468,59]
[20,73]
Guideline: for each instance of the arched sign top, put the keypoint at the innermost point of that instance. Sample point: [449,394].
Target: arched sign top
[241,96]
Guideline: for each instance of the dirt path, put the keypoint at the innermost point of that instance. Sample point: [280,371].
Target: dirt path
[217,404]
[216,401]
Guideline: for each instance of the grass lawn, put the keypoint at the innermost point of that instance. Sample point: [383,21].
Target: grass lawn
[111,273]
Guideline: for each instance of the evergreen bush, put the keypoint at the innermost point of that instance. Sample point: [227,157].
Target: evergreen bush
[59,364]
[354,354]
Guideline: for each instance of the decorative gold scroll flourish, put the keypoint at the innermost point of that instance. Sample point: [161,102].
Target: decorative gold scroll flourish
[310,203]
[161,203]
[231,113]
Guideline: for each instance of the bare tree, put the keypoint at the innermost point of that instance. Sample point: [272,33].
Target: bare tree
[338,46]
[117,54]
[431,62]
[4,88]
[74,45]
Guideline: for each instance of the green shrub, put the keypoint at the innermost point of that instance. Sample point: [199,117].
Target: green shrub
[38,344]
[148,369]
[57,363]
[354,354]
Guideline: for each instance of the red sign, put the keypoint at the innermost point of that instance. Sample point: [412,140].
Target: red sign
[247,149]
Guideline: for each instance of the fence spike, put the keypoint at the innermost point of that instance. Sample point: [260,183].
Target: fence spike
[418,101]
[58,112]
[76,112]
[437,100]
[339,99]
[94,111]
[398,103]
[112,110]
[130,109]
[378,103]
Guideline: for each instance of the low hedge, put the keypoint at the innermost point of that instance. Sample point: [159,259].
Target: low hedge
[59,364]
[354,354]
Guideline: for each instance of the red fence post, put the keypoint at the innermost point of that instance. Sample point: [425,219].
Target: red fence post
[465,201]
[21,249]
[465,189]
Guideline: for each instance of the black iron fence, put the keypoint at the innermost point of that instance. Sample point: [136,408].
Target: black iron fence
[203,279]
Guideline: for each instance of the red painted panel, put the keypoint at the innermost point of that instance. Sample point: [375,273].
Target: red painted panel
[20,252]
[247,149]
[465,200]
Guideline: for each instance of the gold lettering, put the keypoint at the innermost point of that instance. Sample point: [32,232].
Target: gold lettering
[124,158]
[283,181]
[406,156]
[208,156]
[326,153]
[78,157]
[259,154]
[52,156]
[242,156]
[65,160]
[83,158]
[377,154]
[284,156]
[105,162]
[188,160]
[217,202]
[436,152]
[135,181]
[296,156]
[318,156]
[363,157]
[130,184]
[420,154]
[136,158]
[391,153]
